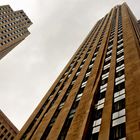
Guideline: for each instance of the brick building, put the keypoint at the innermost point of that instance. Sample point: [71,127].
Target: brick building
[13,28]
[97,95]
[7,130]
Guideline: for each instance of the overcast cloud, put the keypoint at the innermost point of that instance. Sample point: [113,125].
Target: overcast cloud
[59,27]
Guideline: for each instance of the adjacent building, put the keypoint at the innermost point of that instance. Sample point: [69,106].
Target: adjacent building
[7,130]
[13,28]
[97,95]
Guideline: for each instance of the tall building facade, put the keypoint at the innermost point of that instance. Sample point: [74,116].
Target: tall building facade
[97,95]
[13,28]
[7,130]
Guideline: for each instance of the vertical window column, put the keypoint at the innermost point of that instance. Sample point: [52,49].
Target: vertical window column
[96,119]
[118,110]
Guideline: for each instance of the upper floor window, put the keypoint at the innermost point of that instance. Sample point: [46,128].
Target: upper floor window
[117,106]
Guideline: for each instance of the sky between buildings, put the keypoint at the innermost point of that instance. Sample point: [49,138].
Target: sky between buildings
[59,27]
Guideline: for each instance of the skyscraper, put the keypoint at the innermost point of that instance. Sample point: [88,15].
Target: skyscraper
[7,130]
[97,95]
[13,28]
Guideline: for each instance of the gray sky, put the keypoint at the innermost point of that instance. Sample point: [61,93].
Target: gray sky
[59,27]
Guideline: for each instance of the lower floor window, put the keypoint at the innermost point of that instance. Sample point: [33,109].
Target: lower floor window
[118,132]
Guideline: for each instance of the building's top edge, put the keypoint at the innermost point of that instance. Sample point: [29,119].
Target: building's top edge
[124,3]
[4,5]
[8,121]
[16,11]
[22,12]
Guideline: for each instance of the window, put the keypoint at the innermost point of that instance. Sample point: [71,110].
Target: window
[88,52]
[69,75]
[65,96]
[109,52]
[72,112]
[118,117]
[95,53]
[90,66]
[97,122]
[100,95]
[119,93]
[86,56]
[77,73]
[120,32]
[104,81]
[119,47]
[119,98]
[2,127]
[111,37]
[120,58]
[104,76]
[119,87]
[85,79]
[61,80]
[118,114]
[61,105]
[69,88]
[100,106]
[110,40]
[83,61]
[64,129]
[102,89]
[119,68]
[120,73]
[99,43]
[119,105]
[73,82]
[96,129]
[120,36]
[108,58]
[120,63]
[81,66]
[66,73]
[101,101]
[106,66]
[120,29]
[79,96]
[118,132]
[103,86]
[94,136]
[93,59]
[74,78]
[1,136]
[45,134]
[107,62]
[87,74]
[110,43]
[120,79]
[120,42]
[120,52]
[9,134]
[105,71]
[83,84]
[71,64]
[112,34]
[98,114]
